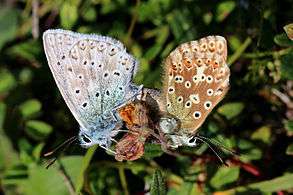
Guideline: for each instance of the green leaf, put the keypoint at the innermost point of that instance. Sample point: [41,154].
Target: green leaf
[289,30]
[25,76]
[158,185]
[51,181]
[89,14]
[152,52]
[274,185]
[2,114]
[288,124]
[8,156]
[282,40]
[263,134]
[7,81]
[30,108]
[85,163]
[38,130]
[176,23]
[8,24]
[224,175]
[286,66]
[73,166]
[207,18]
[289,150]
[251,154]
[152,150]
[230,110]
[69,13]
[224,9]
[28,50]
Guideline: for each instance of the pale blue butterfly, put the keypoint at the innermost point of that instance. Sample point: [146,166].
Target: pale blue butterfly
[94,75]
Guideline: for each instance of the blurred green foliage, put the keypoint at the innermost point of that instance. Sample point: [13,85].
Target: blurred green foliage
[255,118]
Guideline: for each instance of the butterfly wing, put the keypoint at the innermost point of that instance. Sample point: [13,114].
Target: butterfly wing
[196,80]
[93,73]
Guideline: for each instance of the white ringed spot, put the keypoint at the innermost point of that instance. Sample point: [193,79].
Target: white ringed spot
[196,115]
[207,105]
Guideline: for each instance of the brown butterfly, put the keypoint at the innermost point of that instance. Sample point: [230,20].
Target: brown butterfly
[136,117]
[196,79]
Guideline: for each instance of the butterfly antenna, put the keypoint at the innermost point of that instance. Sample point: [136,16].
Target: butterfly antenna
[219,144]
[66,144]
[60,146]
[214,151]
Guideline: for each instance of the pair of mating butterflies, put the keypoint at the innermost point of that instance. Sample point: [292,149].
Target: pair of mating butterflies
[94,75]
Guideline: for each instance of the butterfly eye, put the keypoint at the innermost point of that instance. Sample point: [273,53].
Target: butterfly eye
[207,105]
[197,114]
[85,139]
[210,92]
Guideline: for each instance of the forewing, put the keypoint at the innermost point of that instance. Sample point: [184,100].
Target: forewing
[93,73]
[196,80]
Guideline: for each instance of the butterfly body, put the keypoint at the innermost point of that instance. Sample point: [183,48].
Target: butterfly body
[196,80]
[93,74]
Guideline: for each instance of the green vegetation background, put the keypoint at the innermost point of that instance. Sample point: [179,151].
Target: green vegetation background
[255,118]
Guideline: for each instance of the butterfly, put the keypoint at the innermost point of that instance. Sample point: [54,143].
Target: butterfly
[94,75]
[196,79]
[137,119]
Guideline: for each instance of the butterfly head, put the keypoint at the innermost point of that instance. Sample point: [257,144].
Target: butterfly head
[100,136]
